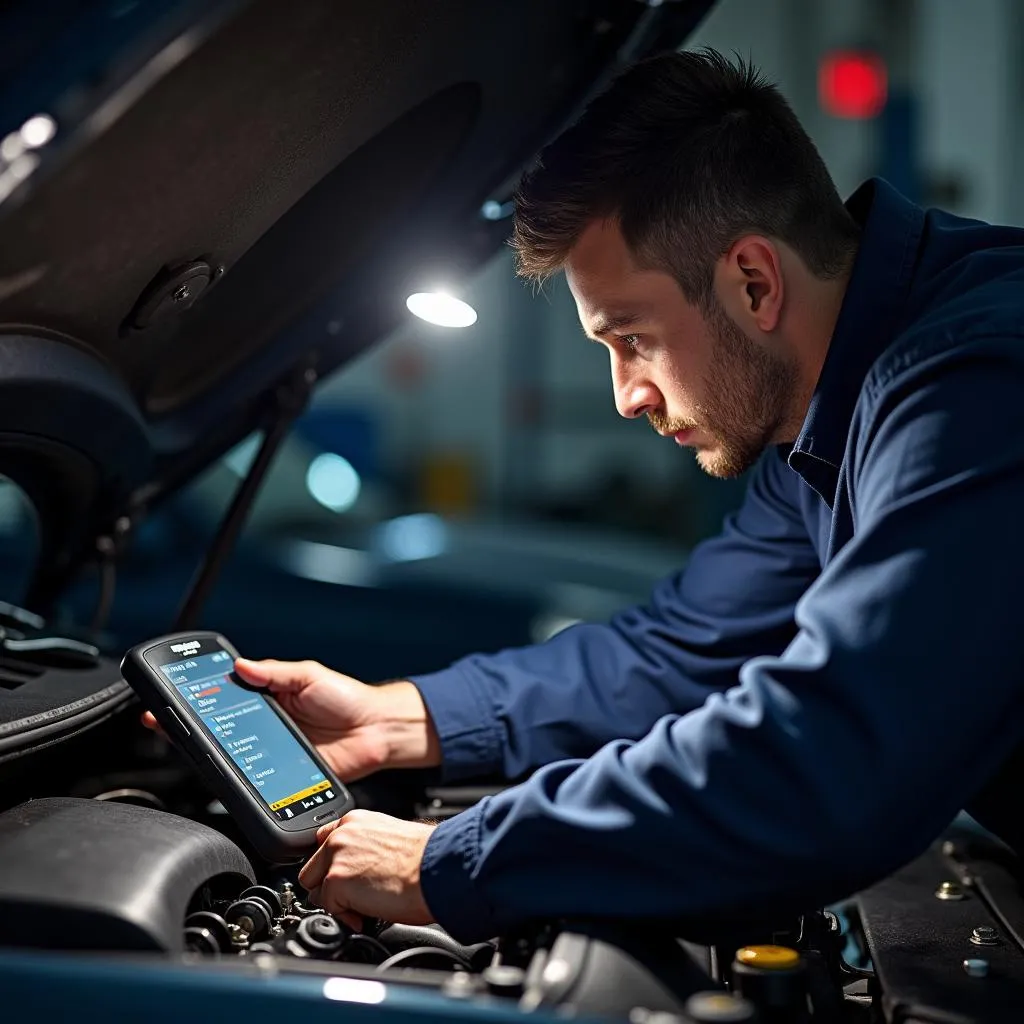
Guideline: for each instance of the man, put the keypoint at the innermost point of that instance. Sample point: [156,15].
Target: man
[831,679]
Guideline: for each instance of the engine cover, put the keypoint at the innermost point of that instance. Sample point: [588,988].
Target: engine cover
[85,874]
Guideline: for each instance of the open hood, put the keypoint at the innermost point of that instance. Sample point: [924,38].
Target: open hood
[207,206]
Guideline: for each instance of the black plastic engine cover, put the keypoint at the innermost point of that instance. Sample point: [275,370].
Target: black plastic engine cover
[918,944]
[84,874]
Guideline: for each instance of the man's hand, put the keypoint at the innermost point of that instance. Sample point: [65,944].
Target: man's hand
[369,864]
[357,728]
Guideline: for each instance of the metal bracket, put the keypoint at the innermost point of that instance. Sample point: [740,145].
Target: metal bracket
[290,399]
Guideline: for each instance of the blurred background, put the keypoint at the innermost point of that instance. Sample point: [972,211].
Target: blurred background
[469,488]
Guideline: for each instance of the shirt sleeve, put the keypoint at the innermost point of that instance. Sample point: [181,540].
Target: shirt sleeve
[828,766]
[510,712]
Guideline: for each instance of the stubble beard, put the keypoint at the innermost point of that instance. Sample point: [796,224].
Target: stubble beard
[747,392]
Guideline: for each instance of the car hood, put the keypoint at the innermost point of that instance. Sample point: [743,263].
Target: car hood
[207,207]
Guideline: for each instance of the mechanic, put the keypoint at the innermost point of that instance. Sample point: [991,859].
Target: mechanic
[827,683]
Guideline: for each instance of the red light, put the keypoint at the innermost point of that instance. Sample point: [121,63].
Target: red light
[852,84]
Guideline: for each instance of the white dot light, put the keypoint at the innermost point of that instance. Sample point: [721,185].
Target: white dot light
[37,131]
[411,538]
[11,147]
[333,482]
[441,309]
[355,990]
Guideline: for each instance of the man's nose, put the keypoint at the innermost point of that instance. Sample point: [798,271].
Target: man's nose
[635,398]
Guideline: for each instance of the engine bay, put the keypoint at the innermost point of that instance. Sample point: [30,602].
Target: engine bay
[121,879]
[112,847]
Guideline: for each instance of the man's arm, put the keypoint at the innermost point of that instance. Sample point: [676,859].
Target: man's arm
[827,767]
[510,712]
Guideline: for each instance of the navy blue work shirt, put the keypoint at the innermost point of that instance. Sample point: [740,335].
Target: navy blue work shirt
[827,683]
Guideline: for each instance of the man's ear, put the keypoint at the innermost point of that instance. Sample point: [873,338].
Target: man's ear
[749,282]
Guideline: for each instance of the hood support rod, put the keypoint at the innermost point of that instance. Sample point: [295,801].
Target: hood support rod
[290,401]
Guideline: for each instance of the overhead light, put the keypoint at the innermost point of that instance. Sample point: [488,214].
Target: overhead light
[37,131]
[442,309]
[333,482]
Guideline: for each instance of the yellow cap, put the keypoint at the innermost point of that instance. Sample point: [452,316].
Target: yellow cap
[769,958]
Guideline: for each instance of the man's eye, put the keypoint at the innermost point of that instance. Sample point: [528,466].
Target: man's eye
[630,341]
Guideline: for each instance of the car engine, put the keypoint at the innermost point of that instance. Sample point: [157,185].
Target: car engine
[115,876]
[91,875]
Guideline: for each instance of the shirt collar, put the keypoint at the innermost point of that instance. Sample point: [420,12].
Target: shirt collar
[868,321]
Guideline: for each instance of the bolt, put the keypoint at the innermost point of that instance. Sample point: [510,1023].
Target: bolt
[287,897]
[239,936]
[504,979]
[976,968]
[949,891]
[181,293]
[985,935]
[460,986]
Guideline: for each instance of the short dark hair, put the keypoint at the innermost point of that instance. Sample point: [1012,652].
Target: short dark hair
[687,151]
